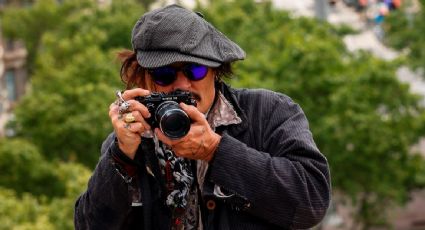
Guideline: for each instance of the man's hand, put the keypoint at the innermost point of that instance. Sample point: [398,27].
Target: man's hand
[201,141]
[129,132]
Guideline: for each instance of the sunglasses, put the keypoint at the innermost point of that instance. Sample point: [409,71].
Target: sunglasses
[166,75]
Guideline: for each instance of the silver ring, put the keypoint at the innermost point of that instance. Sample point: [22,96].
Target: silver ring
[124,107]
[119,95]
[123,104]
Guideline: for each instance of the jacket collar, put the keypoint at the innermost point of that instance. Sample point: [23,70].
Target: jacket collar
[230,95]
[222,113]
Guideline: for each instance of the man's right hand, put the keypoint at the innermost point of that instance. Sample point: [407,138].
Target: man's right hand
[128,133]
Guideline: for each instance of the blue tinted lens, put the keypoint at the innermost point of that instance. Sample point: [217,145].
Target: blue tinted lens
[195,72]
[166,75]
[163,75]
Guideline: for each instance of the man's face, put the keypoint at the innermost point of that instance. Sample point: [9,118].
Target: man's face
[203,90]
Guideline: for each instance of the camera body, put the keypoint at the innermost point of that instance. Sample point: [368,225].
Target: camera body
[166,113]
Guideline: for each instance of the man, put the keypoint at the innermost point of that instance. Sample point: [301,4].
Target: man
[247,162]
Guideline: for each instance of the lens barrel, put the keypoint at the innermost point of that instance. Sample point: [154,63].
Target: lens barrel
[172,120]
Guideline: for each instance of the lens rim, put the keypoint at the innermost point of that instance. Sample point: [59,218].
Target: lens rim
[161,116]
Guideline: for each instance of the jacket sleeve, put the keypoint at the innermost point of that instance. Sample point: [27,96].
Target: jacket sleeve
[275,167]
[105,204]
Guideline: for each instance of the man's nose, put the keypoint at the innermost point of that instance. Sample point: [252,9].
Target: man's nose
[181,82]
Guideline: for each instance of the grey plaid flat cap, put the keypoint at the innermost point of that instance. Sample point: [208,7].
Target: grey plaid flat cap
[175,34]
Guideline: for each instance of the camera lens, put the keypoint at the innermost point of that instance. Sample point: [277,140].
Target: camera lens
[173,121]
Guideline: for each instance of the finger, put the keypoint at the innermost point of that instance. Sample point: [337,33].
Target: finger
[115,115]
[137,116]
[116,118]
[113,109]
[135,105]
[193,112]
[145,124]
[161,136]
[135,127]
[113,104]
[132,93]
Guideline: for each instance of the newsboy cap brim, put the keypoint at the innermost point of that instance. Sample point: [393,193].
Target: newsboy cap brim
[175,34]
[153,59]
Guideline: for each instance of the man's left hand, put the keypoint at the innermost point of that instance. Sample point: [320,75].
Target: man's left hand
[199,143]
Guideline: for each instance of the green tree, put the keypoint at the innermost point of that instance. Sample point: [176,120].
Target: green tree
[61,209]
[26,211]
[23,169]
[405,31]
[75,76]
[64,115]
[29,24]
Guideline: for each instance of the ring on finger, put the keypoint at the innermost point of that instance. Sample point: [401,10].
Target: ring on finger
[119,96]
[125,105]
[129,118]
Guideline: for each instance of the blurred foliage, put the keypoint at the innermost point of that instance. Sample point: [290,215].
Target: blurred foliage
[405,30]
[25,170]
[75,73]
[26,211]
[30,25]
[68,105]
[363,119]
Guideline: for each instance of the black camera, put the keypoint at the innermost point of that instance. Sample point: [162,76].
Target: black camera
[166,112]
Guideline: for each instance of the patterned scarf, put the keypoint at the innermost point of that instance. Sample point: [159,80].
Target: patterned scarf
[178,177]
[182,197]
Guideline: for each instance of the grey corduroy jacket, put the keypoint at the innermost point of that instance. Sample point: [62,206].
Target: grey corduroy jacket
[269,164]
